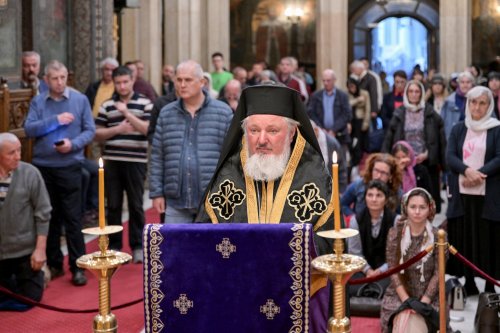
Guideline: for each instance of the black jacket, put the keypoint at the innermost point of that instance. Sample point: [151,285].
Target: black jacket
[491,167]
[91,92]
[435,140]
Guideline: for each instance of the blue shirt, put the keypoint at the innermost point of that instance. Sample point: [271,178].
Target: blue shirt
[189,183]
[43,125]
[328,100]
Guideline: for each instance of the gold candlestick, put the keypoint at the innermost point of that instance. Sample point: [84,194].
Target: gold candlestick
[103,264]
[339,268]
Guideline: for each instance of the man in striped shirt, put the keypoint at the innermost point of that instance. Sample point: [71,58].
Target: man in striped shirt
[122,125]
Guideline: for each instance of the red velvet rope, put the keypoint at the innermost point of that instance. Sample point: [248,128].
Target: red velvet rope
[29,301]
[393,270]
[475,268]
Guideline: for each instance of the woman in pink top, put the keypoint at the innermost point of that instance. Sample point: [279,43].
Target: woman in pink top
[473,156]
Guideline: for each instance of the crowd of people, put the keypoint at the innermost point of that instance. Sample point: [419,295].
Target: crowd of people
[397,151]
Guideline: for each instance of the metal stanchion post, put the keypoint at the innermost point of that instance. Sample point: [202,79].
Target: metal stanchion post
[442,246]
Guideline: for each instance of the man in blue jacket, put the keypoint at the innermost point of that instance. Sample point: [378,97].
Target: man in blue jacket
[61,122]
[186,146]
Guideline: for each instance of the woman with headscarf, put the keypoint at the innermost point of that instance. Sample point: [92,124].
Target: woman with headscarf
[474,184]
[405,157]
[412,233]
[418,124]
[413,175]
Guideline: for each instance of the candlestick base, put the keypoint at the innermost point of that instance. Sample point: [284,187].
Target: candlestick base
[97,231]
[339,268]
[103,264]
[342,233]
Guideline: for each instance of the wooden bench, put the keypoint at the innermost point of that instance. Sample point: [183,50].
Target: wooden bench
[14,107]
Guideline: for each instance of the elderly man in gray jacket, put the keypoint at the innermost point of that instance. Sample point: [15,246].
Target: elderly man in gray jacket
[24,224]
[186,146]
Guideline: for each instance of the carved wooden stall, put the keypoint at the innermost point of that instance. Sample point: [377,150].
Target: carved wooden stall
[14,107]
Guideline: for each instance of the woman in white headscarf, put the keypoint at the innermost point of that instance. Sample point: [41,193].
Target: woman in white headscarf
[473,211]
[417,123]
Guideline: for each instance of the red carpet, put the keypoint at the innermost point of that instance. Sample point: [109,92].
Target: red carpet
[126,286]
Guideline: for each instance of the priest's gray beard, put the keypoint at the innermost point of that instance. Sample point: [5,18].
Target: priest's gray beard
[267,167]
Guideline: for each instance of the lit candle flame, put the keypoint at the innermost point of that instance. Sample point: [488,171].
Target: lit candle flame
[101,164]
[334,157]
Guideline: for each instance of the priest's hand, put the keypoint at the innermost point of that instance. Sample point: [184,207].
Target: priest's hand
[159,204]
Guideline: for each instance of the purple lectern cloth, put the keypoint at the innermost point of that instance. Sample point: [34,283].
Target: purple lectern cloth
[230,278]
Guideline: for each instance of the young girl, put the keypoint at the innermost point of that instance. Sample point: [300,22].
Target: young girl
[413,174]
[412,234]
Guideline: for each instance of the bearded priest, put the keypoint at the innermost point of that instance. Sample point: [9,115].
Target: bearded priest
[271,169]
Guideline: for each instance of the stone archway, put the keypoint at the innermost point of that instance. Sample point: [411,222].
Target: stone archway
[365,17]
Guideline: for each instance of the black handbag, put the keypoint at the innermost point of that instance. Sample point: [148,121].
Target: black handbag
[367,301]
[371,290]
[487,314]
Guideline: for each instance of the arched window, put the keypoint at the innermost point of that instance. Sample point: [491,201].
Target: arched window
[399,43]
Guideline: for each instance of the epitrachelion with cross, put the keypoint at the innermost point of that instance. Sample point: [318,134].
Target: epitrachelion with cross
[231,278]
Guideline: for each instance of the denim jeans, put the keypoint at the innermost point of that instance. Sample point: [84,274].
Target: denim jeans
[174,215]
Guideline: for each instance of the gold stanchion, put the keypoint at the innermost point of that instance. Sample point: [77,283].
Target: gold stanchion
[103,264]
[442,246]
[339,268]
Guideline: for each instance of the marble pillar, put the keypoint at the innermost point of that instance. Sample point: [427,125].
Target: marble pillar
[141,38]
[129,34]
[454,35]
[150,46]
[217,32]
[194,29]
[331,39]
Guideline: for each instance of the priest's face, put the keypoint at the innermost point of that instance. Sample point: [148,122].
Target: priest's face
[267,134]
